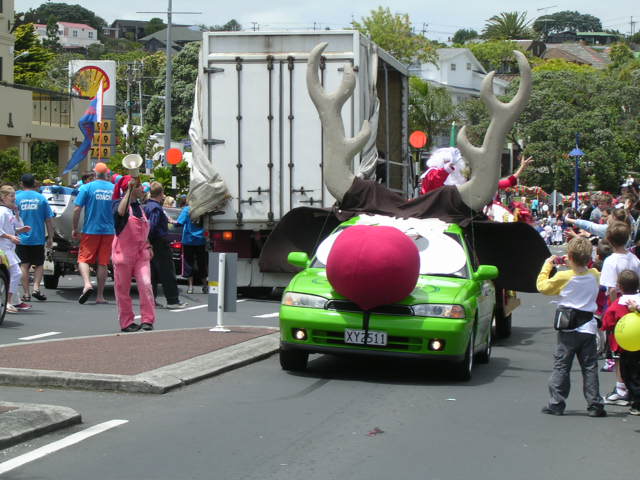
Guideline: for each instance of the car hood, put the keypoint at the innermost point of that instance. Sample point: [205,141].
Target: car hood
[429,289]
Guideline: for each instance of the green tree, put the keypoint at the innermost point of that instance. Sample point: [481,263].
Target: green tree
[559,64]
[567,20]
[185,72]
[507,26]
[52,42]
[154,25]
[44,160]
[430,108]
[620,54]
[31,57]
[231,26]
[394,33]
[64,13]
[463,35]
[603,109]
[496,55]
[11,166]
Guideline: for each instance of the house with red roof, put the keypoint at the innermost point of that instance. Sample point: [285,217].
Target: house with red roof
[72,36]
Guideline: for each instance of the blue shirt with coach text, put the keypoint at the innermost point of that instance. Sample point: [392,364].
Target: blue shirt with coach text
[95,197]
[34,211]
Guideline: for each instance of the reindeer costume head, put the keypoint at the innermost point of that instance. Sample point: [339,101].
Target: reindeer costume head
[493,243]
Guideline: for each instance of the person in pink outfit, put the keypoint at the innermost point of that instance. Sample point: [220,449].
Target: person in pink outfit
[131,255]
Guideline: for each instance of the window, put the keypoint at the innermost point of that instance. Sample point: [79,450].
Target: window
[90,34]
[468,66]
[1,77]
[75,33]
[453,67]
[1,7]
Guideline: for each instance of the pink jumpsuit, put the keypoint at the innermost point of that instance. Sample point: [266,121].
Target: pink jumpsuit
[131,258]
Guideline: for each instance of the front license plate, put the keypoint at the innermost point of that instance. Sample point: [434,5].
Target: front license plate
[374,337]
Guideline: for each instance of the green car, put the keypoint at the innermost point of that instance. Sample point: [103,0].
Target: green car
[448,316]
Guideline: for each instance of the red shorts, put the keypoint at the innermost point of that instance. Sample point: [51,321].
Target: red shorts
[95,249]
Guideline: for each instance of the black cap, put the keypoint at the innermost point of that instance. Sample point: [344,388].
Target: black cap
[28,180]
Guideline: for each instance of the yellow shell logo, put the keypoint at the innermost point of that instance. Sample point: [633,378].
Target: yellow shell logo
[86,81]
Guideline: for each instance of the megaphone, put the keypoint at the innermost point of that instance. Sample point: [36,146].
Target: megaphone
[132,163]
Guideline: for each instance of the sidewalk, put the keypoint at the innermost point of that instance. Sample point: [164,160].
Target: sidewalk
[142,362]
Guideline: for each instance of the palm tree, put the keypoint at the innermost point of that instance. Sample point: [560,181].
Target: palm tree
[508,26]
[430,108]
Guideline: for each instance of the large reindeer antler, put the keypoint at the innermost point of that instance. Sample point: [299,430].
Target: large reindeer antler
[339,150]
[485,161]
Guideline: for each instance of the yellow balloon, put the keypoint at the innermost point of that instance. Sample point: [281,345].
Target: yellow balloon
[627,332]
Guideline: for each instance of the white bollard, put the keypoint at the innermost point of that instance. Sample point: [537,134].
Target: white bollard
[221,271]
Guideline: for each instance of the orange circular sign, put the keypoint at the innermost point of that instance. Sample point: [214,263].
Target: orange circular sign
[418,139]
[174,156]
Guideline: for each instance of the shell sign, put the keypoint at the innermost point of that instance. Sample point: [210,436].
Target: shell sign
[86,76]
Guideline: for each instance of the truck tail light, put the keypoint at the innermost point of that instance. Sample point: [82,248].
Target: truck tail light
[176,245]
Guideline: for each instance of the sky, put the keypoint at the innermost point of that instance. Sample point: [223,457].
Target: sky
[439,20]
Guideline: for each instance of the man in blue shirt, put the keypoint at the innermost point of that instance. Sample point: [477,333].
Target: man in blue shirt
[97,231]
[35,212]
[162,268]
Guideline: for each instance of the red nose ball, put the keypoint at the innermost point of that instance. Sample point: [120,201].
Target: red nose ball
[373,266]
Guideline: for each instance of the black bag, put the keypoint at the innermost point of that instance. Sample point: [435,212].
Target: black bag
[567,318]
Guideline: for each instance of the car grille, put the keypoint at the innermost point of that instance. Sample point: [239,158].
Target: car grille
[347,306]
[327,337]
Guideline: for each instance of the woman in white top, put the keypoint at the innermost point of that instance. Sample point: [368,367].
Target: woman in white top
[10,225]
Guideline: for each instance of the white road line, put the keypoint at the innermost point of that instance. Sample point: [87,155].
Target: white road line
[187,309]
[58,445]
[241,300]
[42,335]
[267,315]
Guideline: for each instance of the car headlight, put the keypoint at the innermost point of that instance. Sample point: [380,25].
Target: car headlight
[438,310]
[293,299]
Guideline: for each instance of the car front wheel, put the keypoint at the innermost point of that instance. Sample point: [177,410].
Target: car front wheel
[293,360]
[462,370]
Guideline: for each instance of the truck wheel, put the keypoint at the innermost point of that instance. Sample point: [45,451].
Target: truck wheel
[462,371]
[51,281]
[293,360]
[4,291]
[502,321]
[503,325]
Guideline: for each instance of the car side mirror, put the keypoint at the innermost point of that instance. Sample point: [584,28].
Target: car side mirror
[486,272]
[299,259]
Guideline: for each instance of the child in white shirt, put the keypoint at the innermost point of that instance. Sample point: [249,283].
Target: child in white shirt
[10,225]
[621,259]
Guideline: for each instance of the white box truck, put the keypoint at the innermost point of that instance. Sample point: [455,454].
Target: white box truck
[255,125]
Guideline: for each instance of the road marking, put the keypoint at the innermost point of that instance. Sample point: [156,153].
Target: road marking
[58,445]
[267,315]
[241,300]
[188,308]
[42,335]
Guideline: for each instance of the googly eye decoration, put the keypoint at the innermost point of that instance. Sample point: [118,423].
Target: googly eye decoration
[440,254]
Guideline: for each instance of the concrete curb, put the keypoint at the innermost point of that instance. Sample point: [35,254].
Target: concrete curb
[27,420]
[156,381]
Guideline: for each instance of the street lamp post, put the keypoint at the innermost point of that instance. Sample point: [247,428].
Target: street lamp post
[576,153]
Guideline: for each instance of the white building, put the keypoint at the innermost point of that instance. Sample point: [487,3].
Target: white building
[71,35]
[459,72]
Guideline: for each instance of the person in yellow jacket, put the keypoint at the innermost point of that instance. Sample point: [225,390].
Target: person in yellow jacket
[577,289]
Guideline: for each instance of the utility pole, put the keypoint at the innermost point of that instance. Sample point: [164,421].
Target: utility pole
[631,26]
[140,77]
[129,127]
[168,79]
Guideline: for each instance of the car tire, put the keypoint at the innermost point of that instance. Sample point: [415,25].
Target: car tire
[4,294]
[293,360]
[51,281]
[462,371]
[484,356]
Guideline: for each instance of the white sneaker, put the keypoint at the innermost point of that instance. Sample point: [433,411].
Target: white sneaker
[11,308]
[614,398]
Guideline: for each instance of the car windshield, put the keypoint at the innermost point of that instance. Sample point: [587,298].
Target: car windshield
[441,254]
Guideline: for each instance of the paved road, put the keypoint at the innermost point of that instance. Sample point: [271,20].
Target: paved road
[63,314]
[346,419]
